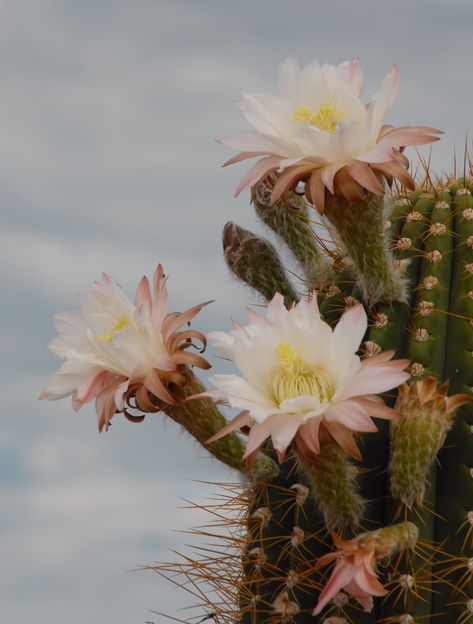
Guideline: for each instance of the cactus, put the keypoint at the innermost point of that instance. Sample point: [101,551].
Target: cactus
[416,282]
[357,524]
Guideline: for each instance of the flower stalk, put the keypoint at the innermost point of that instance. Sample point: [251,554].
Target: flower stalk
[332,477]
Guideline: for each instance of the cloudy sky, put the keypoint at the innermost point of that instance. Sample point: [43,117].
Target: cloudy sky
[108,114]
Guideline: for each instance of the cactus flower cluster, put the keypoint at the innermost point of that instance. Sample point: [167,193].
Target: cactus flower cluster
[380,325]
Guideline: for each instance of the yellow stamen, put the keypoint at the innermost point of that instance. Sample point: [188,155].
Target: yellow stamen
[107,337]
[326,118]
[296,378]
[302,114]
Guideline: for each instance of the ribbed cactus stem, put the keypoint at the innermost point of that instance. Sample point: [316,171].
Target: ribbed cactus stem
[256,262]
[289,219]
[332,477]
[360,226]
[202,419]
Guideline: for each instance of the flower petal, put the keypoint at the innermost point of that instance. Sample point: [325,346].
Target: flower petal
[374,380]
[383,100]
[349,331]
[258,434]
[341,575]
[352,415]
[276,311]
[259,170]
[352,72]
[283,428]
[241,420]
[343,437]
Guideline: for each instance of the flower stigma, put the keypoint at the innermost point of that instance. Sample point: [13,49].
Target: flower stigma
[107,337]
[296,378]
[326,118]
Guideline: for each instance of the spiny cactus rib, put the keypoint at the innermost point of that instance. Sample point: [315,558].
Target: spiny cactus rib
[290,220]
[202,419]
[256,263]
[272,534]
[425,347]
[455,487]
[334,301]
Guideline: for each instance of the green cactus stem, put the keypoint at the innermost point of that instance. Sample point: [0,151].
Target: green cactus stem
[335,298]
[455,487]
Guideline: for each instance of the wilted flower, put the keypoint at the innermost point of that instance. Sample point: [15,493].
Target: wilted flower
[298,376]
[355,570]
[122,353]
[318,130]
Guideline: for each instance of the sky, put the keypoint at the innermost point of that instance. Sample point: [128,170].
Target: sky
[109,111]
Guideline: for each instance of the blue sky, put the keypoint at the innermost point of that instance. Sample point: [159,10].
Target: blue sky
[108,115]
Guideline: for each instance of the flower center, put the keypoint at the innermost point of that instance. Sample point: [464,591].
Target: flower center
[107,337]
[296,378]
[326,118]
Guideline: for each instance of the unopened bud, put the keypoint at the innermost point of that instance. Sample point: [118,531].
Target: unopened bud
[426,416]
[255,261]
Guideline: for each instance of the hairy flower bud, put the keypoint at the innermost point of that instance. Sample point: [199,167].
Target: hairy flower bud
[255,261]
[426,416]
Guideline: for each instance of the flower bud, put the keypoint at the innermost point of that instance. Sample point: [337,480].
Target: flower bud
[255,261]
[426,416]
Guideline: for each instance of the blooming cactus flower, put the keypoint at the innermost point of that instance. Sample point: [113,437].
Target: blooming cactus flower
[116,350]
[299,377]
[355,573]
[318,130]
[355,570]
